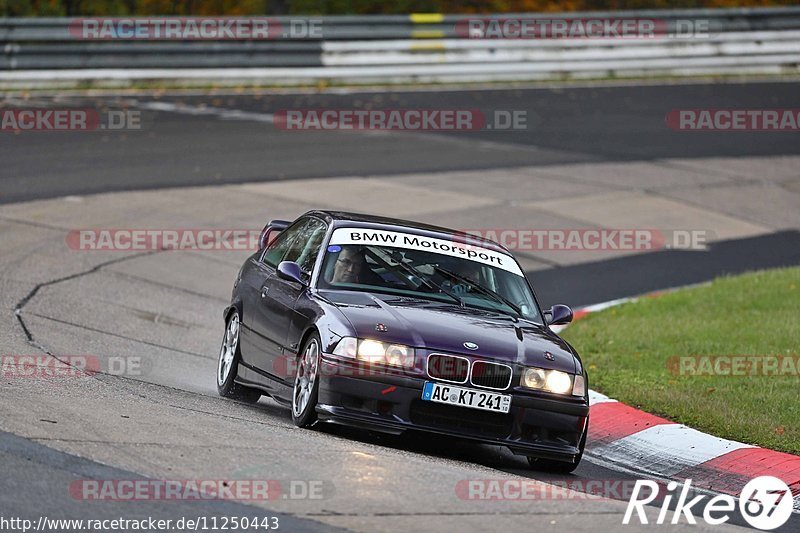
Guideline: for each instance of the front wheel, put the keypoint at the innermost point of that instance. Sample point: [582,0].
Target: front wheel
[229,356]
[306,384]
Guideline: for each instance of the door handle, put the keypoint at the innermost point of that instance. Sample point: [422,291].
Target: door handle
[264,291]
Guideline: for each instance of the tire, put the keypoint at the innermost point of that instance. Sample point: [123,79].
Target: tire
[229,356]
[306,383]
[558,467]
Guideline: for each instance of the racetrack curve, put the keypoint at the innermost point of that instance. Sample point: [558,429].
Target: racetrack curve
[166,421]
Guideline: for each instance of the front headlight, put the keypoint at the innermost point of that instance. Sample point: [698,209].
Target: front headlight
[372,351]
[534,378]
[551,381]
[399,355]
[558,382]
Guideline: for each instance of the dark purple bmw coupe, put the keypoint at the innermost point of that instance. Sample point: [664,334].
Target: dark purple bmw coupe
[391,325]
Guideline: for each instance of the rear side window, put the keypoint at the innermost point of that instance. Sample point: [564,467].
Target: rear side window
[278,249]
[305,248]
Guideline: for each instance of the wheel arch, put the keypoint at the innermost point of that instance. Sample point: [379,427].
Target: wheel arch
[236,305]
[310,330]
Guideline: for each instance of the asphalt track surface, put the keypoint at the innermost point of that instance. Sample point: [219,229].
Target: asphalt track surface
[591,124]
[583,124]
[564,125]
[33,470]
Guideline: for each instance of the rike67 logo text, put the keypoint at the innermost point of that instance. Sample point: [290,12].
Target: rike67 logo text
[765,503]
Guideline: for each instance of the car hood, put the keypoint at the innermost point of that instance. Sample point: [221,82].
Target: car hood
[437,326]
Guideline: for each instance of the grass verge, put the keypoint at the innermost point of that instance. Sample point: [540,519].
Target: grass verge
[651,354]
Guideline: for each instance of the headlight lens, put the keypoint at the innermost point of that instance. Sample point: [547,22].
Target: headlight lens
[550,381]
[399,355]
[372,351]
[558,382]
[534,378]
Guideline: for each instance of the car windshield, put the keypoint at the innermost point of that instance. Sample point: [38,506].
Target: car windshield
[423,267]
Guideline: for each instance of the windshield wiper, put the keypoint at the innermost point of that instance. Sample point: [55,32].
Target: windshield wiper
[424,280]
[480,288]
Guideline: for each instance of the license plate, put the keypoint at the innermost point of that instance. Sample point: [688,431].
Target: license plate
[476,399]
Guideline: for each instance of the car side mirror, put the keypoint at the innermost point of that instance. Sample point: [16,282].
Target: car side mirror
[559,314]
[274,226]
[291,271]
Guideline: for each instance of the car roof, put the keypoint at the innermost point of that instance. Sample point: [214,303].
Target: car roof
[344,218]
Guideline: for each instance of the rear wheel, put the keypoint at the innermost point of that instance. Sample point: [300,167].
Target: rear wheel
[306,384]
[558,467]
[229,357]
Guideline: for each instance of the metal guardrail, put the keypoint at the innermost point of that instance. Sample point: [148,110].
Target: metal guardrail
[445,26]
[160,55]
[421,47]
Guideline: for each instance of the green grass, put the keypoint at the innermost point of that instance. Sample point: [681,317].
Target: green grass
[627,351]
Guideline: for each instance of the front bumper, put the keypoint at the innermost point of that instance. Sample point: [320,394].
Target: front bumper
[539,427]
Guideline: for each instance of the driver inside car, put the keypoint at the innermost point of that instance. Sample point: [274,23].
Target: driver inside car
[351,267]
